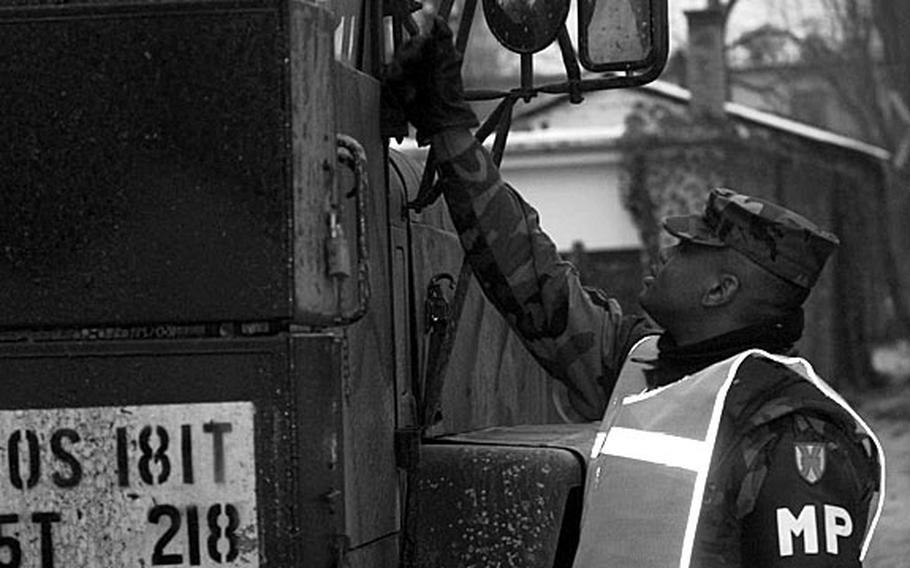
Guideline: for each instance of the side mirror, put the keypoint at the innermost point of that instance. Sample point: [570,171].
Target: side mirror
[622,35]
[613,35]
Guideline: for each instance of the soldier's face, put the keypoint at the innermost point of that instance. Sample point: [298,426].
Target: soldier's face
[673,291]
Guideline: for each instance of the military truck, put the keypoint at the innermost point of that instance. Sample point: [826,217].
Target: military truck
[235,328]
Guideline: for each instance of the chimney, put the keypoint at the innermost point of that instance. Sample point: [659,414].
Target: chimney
[706,69]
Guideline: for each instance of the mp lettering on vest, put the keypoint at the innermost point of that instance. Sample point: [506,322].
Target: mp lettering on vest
[837,523]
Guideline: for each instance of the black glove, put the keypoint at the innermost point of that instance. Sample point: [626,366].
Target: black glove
[425,79]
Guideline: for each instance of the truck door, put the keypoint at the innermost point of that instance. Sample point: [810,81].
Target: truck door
[369,414]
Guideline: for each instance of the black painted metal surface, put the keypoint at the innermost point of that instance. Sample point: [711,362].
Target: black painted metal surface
[143,164]
[495,505]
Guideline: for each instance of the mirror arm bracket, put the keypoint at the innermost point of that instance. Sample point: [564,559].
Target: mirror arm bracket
[464,28]
[527,75]
[573,71]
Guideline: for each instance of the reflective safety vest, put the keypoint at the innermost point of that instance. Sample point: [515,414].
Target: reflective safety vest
[651,458]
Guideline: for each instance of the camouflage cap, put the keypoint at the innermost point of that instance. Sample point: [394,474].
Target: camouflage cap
[777,239]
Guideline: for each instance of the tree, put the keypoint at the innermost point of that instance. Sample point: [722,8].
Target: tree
[858,48]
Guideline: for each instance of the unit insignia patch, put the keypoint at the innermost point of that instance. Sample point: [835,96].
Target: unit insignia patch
[810,461]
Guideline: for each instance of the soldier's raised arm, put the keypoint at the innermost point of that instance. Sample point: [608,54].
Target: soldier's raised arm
[578,335]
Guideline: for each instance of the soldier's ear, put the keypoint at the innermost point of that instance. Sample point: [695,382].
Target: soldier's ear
[721,291]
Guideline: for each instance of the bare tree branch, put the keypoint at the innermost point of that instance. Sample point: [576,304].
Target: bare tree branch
[729,8]
[864,60]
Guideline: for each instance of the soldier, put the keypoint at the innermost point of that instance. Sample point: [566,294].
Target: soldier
[715,448]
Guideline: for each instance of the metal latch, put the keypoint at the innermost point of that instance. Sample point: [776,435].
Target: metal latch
[338,254]
[437,311]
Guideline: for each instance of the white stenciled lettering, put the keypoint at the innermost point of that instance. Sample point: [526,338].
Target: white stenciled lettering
[804,525]
[838,523]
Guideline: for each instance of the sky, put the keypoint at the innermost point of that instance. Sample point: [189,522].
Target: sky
[747,15]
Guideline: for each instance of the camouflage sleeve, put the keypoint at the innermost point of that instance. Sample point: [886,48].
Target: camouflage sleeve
[580,337]
[792,480]
[792,493]
[812,505]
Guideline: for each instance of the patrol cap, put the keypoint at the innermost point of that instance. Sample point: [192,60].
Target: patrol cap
[777,239]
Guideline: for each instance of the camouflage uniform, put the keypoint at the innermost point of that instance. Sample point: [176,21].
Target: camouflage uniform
[582,338]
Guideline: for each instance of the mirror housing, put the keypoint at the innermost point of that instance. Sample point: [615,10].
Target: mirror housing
[622,35]
[525,26]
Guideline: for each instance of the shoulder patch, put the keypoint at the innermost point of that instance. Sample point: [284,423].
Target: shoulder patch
[810,461]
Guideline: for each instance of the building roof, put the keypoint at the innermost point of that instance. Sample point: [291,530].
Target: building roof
[549,139]
[776,122]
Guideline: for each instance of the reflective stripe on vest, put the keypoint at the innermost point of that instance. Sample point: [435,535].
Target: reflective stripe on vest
[650,464]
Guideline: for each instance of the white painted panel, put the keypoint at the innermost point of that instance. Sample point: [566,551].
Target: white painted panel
[129,486]
[577,202]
